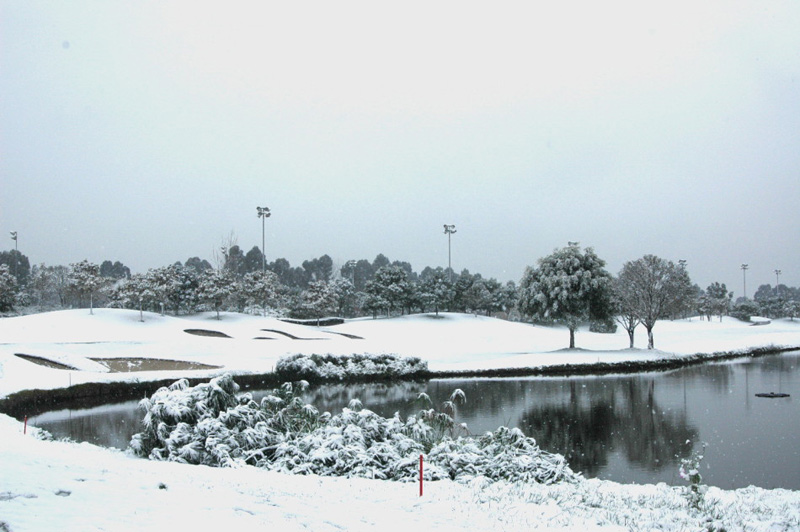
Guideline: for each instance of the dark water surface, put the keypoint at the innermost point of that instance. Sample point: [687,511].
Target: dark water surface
[631,429]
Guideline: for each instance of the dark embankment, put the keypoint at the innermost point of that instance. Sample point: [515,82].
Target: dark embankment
[33,402]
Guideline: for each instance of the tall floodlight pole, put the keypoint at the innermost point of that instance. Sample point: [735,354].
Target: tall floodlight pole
[778,283]
[744,279]
[449,230]
[352,265]
[263,213]
[16,248]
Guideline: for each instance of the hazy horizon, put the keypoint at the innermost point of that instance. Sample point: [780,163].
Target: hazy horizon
[148,133]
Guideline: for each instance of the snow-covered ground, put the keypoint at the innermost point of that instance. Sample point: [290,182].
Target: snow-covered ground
[47,485]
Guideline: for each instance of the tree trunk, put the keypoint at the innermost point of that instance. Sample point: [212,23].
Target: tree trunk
[571,338]
[630,337]
[650,344]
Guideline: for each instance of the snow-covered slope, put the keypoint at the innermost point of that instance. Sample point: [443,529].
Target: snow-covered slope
[78,487]
[252,344]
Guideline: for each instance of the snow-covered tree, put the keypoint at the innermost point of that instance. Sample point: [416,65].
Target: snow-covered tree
[136,292]
[8,288]
[85,280]
[18,264]
[744,309]
[568,286]
[346,299]
[435,290]
[717,300]
[505,299]
[317,300]
[791,309]
[652,289]
[260,288]
[163,282]
[389,289]
[215,287]
[625,309]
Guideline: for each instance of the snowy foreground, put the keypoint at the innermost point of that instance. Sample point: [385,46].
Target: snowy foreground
[46,485]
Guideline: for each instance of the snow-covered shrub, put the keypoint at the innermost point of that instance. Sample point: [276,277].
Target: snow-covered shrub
[209,425]
[347,367]
[745,309]
[690,471]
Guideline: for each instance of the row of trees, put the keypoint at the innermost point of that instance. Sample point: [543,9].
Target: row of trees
[311,291]
[570,286]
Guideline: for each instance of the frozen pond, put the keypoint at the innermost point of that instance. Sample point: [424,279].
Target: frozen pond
[630,428]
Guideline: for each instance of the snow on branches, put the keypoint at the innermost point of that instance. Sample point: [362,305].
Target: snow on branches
[348,367]
[208,424]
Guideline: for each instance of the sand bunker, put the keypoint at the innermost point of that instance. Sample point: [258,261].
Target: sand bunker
[127,365]
[206,332]
[45,362]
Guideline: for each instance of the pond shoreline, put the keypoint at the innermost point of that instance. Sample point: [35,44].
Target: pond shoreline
[36,401]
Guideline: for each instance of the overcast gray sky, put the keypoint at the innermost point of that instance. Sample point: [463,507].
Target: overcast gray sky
[147,132]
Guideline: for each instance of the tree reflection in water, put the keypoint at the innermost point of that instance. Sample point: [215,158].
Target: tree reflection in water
[629,428]
[598,417]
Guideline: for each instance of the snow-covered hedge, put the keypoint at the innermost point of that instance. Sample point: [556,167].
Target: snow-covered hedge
[348,367]
[208,424]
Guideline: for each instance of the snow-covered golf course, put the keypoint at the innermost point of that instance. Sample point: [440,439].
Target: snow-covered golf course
[46,485]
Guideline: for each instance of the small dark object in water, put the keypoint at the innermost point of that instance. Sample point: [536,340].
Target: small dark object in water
[772,395]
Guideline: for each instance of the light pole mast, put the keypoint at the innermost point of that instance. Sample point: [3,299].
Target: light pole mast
[778,283]
[263,213]
[16,248]
[744,279]
[449,230]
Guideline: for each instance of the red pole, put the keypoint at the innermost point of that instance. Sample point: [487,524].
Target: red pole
[420,475]
[25,430]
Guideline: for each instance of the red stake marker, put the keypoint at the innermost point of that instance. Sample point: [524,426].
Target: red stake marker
[420,475]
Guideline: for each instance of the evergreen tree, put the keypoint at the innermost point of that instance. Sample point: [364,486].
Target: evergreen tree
[717,300]
[253,260]
[8,288]
[316,301]
[260,288]
[389,289]
[568,286]
[197,264]
[215,287]
[234,262]
[435,290]
[115,270]
[85,279]
[18,265]
[346,298]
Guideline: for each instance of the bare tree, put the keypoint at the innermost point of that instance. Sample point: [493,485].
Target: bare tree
[624,308]
[652,289]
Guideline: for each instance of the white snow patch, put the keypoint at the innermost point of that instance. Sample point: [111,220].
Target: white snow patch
[48,485]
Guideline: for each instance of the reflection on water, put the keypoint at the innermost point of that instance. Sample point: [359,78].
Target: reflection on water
[624,428]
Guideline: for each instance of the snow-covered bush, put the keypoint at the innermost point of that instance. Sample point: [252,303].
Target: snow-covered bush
[208,424]
[745,309]
[690,471]
[347,367]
